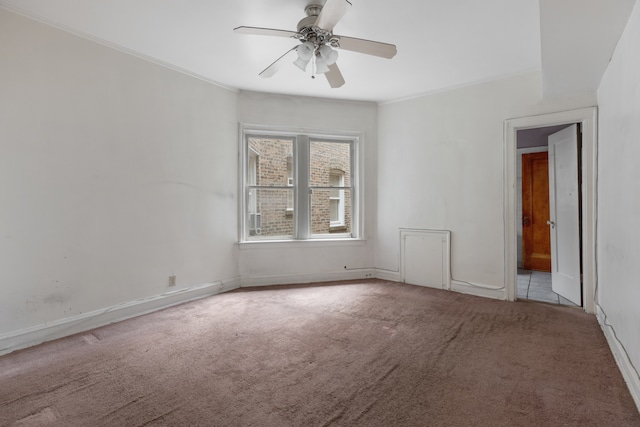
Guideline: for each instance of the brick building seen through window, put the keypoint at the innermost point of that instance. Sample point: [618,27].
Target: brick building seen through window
[270,205]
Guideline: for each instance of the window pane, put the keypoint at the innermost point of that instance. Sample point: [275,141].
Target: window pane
[290,182]
[270,161]
[330,215]
[327,159]
[334,210]
[271,218]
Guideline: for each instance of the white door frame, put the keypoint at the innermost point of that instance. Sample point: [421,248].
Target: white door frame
[587,117]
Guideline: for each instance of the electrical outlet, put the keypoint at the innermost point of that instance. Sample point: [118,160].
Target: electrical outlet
[172,280]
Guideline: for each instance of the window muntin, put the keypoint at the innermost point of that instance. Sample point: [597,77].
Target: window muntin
[298,187]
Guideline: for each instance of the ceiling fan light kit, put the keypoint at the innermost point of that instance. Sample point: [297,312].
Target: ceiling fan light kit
[328,54]
[318,43]
[321,65]
[302,63]
[305,50]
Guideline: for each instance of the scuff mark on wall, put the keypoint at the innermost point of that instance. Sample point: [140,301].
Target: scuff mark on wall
[31,305]
[54,299]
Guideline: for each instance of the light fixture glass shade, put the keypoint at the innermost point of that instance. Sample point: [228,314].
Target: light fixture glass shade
[302,63]
[321,65]
[328,54]
[305,50]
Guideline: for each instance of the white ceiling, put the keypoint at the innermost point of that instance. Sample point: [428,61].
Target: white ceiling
[441,44]
[578,38]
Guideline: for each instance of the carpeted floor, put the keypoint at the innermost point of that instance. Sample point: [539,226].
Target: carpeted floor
[347,354]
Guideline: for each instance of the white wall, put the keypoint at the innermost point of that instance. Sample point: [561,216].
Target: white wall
[441,165]
[308,261]
[114,174]
[619,193]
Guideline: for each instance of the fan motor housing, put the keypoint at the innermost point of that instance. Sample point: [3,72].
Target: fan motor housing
[307,22]
[312,11]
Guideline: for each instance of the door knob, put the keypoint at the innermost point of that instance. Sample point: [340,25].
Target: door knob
[551,223]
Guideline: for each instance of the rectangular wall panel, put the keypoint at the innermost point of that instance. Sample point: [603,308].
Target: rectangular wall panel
[424,257]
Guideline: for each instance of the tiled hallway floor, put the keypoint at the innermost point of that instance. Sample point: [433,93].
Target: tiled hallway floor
[536,286]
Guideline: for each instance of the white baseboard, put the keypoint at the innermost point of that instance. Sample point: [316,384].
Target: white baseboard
[478,290]
[393,276]
[629,372]
[456,286]
[361,273]
[31,336]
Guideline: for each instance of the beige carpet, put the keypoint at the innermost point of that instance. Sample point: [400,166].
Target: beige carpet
[347,354]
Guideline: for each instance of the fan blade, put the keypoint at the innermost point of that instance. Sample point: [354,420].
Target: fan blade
[369,47]
[264,31]
[276,65]
[331,13]
[334,76]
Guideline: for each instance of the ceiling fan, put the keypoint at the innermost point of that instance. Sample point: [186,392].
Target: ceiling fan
[318,43]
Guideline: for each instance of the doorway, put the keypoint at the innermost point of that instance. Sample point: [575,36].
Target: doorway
[535,280]
[586,118]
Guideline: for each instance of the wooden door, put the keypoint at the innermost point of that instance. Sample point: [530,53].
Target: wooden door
[536,238]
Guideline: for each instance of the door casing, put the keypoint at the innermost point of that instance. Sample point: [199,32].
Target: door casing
[587,117]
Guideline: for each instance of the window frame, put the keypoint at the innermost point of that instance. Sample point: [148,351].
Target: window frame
[301,212]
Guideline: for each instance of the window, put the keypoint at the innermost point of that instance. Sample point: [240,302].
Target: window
[298,186]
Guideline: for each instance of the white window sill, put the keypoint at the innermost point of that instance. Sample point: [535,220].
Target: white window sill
[311,243]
